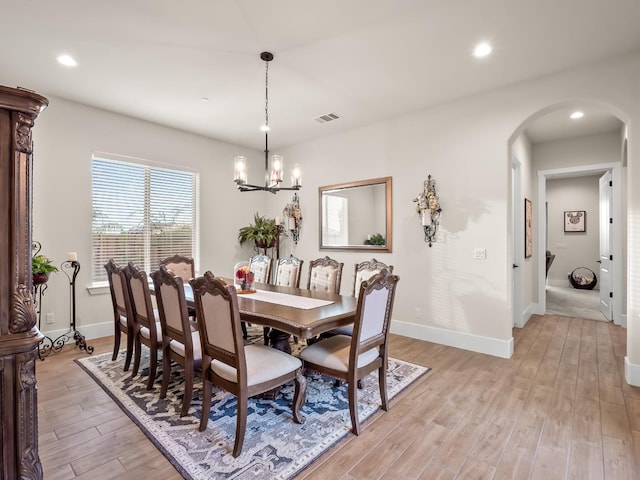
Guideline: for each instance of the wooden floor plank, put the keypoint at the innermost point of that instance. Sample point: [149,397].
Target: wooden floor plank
[559,408]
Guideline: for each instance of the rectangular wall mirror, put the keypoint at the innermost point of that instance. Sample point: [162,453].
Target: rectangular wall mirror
[356,215]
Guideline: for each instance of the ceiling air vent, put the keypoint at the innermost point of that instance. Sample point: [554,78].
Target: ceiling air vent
[329,117]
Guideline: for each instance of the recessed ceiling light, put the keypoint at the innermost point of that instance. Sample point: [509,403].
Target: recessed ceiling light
[204,99]
[67,61]
[577,114]
[482,50]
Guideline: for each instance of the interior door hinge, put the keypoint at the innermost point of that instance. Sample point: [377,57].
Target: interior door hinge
[610,294]
[611,220]
[610,257]
[611,183]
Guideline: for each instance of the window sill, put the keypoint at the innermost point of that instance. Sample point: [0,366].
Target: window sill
[98,289]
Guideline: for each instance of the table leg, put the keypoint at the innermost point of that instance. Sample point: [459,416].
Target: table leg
[280,340]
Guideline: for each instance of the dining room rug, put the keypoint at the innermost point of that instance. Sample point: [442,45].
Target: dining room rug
[275,447]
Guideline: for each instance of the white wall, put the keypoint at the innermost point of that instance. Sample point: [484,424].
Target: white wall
[572,249]
[444,294]
[577,151]
[65,136]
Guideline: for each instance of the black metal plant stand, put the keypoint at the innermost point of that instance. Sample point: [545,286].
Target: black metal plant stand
[70,269]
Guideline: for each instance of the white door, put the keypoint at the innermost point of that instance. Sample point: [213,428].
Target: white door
[606,292]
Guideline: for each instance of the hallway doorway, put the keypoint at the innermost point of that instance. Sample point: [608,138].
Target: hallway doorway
[572,302]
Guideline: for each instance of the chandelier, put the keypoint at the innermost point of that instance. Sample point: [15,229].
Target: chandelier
[273,178]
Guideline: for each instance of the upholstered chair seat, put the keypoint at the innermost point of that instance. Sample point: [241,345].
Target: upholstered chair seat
[147,327]
[351,359]
[244,371]
[180,339]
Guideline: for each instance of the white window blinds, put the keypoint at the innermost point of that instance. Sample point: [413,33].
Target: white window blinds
[335,224]
[141,214]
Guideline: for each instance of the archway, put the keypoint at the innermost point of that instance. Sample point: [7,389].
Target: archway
[552,124]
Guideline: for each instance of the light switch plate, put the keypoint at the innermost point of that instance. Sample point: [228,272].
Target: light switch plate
[480,253]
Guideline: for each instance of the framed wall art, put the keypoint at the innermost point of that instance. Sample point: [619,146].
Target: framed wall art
[528,228]
[575,221]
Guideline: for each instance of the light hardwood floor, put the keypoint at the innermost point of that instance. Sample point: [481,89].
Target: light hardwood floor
[558,409]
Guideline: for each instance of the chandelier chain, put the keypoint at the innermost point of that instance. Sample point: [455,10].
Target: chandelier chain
[266,95]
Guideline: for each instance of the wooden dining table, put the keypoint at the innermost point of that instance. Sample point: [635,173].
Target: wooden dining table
[287,320]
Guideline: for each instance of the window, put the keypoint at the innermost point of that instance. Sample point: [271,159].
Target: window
[335,225]
[141,214]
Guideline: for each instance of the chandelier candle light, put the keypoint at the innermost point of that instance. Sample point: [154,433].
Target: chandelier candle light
[273,179]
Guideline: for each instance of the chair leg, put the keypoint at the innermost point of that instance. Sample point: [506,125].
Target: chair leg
[137,349]
[166,371]
[153,366]
[241,426]
[353,406]
[382,381]
[299,396]
[188,388]
[206,404]
[127,359]
[116,343]
[265,335]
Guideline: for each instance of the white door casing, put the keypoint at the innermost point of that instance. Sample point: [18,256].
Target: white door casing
[615,239]
[517,224]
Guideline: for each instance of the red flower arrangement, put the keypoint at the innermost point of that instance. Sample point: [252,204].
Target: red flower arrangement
[245,276]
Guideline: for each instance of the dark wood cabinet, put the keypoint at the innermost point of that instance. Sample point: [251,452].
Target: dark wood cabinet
[19,335]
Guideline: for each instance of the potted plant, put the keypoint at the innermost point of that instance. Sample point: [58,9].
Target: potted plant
[41,267]
[376,239]
[264,232]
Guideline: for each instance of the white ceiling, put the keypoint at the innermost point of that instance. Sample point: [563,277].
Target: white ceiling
[365,60]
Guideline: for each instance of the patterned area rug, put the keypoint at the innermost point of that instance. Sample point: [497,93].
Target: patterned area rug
[275,447]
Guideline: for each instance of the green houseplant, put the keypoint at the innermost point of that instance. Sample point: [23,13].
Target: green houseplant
[41,267]
[263,231]
[377,239]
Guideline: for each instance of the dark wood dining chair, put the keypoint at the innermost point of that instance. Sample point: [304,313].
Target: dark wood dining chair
[242,370]
[121,321]
[325,275]
[180,341]
[351,358]
[180,265]
[147,327]
[183,267]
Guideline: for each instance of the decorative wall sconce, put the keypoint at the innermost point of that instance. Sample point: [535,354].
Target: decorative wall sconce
[428,208]
[293,217]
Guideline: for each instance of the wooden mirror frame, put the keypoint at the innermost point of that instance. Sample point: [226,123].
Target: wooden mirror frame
[386,181]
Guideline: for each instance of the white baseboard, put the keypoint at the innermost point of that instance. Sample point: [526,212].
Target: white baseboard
[97,330]
[531,310]
[466,341]
[631,373]
[623,321]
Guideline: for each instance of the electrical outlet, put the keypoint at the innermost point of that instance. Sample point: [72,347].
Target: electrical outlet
[50,318]
[480,253]
[418,313]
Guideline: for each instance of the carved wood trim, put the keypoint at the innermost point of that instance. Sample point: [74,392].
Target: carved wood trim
[19,337]
[23,312]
